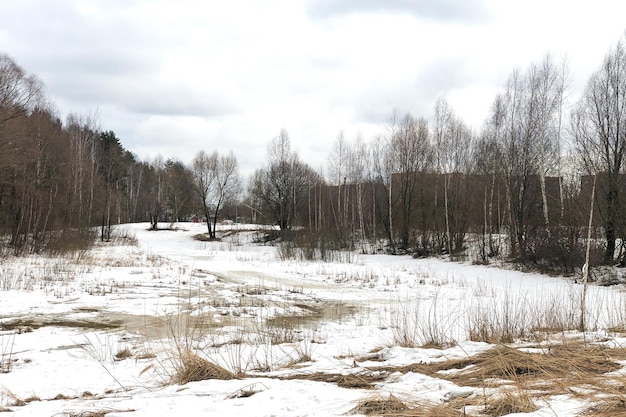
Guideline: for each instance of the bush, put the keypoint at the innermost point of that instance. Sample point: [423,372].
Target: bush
[311,246]
[70,240]
[559,250]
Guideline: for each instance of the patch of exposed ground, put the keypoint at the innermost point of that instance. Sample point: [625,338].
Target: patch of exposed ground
[27,324]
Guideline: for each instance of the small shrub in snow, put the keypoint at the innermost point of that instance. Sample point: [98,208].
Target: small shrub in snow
[189,367]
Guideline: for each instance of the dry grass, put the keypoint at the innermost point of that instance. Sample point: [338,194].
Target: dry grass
[123,354]
[608,399]
[558,366]
[190,367]
[513,376]
[440,410]
[392,407]
[378,406]
[98,413]
[354,381]
[509,403]
[146,354]
[248,390]
[494,406]
[613,407]
[204,237]
[516,376]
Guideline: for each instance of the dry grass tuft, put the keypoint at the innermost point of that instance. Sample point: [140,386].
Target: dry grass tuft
[393,407]
[441,410]
[191,367]
[248,390]
[354,381]
[390,406]
[509,403]
[145,355]
[357,381]
[204,237]
[62,397]
[614,407]
[123,354]
[99,413]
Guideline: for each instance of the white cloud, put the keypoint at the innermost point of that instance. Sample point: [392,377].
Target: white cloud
[444,10]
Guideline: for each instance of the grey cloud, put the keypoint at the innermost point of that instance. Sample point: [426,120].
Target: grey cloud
[106,59]
[377,106]
[60,42]
[181,101]
[441,10]
[146,98]
[416,96]
[440,76]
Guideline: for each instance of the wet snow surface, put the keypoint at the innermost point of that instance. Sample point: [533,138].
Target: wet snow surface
[100,331]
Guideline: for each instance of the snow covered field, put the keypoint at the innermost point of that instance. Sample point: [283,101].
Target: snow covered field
[117,330]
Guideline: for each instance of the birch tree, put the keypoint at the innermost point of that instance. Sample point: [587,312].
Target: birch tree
[411,155]
[452,149]
[529,109]
[338,161]
[382,173]
[599,126]
[547,83]
[83,135]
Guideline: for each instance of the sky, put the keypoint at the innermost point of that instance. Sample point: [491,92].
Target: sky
[171,78]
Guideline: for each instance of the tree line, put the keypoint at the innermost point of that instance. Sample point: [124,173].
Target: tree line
[519,188]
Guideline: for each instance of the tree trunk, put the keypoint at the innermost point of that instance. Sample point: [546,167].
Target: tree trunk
[610,232]
[447,213]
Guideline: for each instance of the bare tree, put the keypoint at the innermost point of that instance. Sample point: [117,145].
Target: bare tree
[284,184]
[204,168]
[20,96]
[488,157]
[411,155]
[338,161]
[599,126]
[83,134]
[19,92]
[227,185]
[180,196]
[528,130]
[348,172]
[382,173]
[157,191]
[114,167]
[357,174]
[520,158]
[452,150]
[547,84]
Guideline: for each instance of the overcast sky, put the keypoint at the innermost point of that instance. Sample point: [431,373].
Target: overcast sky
[174,77]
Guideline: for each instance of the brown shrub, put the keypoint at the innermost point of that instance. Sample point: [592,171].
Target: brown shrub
[190,367]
